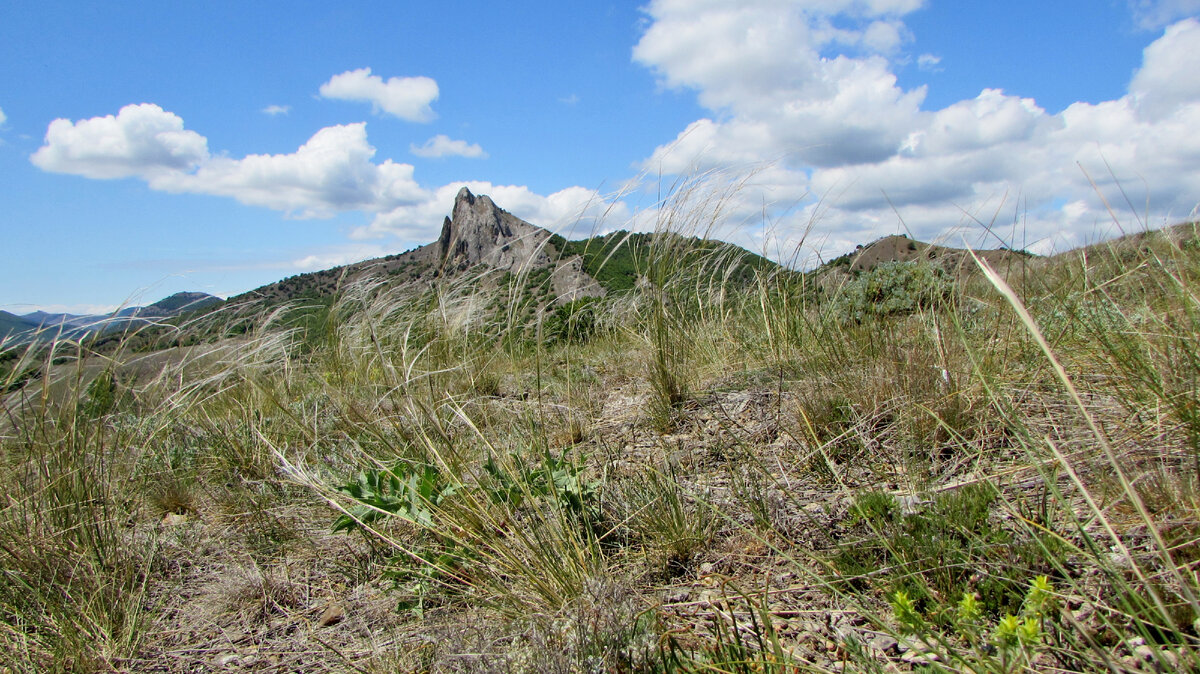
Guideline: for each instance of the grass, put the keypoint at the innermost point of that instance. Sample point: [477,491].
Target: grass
[722,466]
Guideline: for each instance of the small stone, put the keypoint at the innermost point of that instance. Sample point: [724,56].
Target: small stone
[1169,660]
[810,627]
[174,519]
[1129,663]
[679,597]
[915,651]
[1143,653]
[333,614]
[228,660]
[884,643]
[1133,643]
[915,657]
[845,632]
[1085,612]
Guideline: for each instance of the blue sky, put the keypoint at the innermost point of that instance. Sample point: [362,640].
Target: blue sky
[147,148]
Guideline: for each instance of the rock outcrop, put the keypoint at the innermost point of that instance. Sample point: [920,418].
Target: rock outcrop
[480,232]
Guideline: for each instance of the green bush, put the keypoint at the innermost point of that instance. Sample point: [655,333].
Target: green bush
[893,288]
[573,322]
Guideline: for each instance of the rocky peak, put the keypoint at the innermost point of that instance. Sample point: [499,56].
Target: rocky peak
[479,231]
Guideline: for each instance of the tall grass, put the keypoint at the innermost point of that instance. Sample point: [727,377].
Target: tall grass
[733,468]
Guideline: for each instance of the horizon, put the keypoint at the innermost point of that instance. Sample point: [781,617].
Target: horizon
[152,150]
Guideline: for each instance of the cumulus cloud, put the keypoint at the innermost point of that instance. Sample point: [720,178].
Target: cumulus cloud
[860,153]
[331,172]
[141,140]
[1156,14]
[1168,76]
[442,146]
[408,98]
[335,171]
[762,68]
[274,110]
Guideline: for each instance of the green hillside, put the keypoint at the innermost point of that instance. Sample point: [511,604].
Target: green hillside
[618,259]
[13,326]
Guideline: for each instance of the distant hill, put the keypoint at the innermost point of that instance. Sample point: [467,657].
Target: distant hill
[900,248]
[13,327]
[480,235]
[45,325]
[46,319]
[477,233]
[179,303]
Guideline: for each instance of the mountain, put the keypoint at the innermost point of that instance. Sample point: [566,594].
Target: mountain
[900,248]
[478,235]
[178,303]
[478,232]
[13,327]
[47,319]
[42,325]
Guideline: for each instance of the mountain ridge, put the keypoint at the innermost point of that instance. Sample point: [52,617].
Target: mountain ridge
[34,325]
[478,232]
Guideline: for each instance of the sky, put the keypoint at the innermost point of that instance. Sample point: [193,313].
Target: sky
[148,148]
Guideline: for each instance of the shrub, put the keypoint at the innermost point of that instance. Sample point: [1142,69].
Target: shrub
[573,322]
[893,288]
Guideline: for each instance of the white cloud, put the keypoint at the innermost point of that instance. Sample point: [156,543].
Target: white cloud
[1157,14]
[821,107]
[274,110]
[338,256]
[408,98]
[442,146]
[1170,72]
[929,62]
[332,172]
[572,99]
[759,66]
[3,119]
[141,140]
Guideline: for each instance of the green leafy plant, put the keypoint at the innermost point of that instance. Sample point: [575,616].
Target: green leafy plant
[1008,644]
[401,491]
[936,551]
[556,479]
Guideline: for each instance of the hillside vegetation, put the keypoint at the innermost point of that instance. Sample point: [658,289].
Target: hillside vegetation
[718,466]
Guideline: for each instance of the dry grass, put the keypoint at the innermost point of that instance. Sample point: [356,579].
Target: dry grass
[720,479]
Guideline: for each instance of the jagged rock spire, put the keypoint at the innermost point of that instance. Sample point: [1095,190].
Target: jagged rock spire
[479,231]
